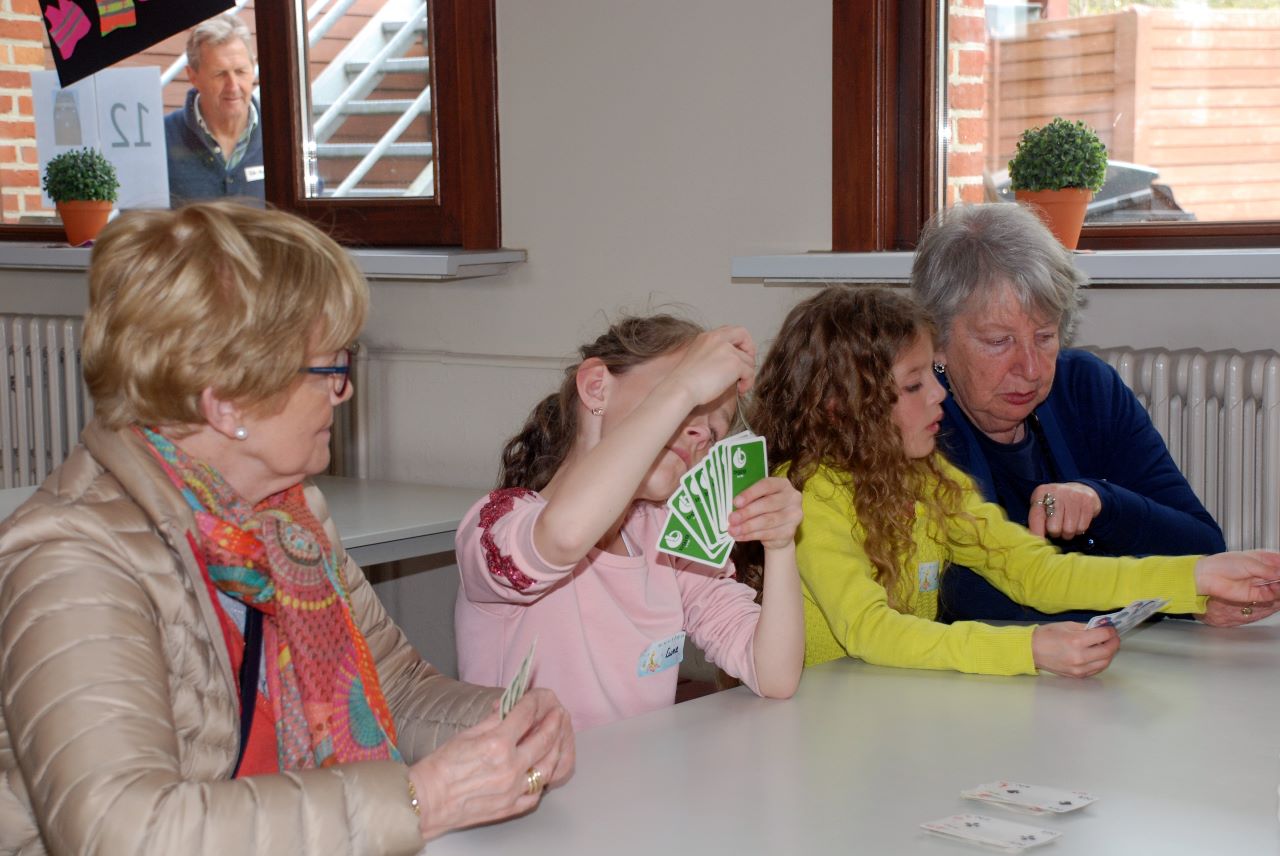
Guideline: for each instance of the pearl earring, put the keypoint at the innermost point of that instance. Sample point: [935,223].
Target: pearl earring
[242,433]
[597,411]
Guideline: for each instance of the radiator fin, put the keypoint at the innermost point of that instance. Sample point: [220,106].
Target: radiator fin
[1219,413]
[44,404]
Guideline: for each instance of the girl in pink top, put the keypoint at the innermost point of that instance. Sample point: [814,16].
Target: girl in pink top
[564,551]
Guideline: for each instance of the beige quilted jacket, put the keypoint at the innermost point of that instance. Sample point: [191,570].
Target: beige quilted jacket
[119,722]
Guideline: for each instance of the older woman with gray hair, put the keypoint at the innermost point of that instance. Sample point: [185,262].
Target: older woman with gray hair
[1050,434]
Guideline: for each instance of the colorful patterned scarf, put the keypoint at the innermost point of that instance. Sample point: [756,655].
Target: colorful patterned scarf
[328,704]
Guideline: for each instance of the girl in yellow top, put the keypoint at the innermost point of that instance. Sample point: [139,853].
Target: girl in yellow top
[848,400]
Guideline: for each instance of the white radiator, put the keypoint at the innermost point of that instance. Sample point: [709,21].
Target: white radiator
[44,404]
[1219,413]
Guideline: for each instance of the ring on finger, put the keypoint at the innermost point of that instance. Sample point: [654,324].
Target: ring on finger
[1050,503]
[1248,610]
[533,781]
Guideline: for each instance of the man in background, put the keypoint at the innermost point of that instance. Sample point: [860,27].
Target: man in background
[214,142]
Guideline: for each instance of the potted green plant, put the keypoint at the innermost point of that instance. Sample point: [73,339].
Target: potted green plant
[1057,168]
[83,185]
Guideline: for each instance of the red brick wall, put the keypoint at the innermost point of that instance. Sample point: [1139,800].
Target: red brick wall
[21,50]
[966,96]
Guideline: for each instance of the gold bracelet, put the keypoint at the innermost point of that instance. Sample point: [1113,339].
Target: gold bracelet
[413,799]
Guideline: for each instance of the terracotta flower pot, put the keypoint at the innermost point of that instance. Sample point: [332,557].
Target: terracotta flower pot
[1061,210]
[83,220]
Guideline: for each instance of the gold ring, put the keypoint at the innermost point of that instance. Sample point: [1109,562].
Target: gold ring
[533,778]
[1247,610]
[1050,503]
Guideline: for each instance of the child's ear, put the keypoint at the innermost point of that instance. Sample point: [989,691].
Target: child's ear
[594,382]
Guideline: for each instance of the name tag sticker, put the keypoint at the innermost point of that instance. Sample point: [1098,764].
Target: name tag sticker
[928,576]
[662,655]
[255,173]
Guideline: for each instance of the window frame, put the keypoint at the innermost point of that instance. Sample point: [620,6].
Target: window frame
[885,175]
[466,209]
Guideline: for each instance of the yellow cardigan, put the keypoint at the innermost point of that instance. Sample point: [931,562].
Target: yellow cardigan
[847,611]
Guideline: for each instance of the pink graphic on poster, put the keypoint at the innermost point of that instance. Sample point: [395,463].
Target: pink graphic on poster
[68,24]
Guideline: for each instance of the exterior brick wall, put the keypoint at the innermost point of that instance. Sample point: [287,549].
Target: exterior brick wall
[966,100]
[22,50]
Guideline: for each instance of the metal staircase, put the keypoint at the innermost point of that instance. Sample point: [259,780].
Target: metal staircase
[373,130]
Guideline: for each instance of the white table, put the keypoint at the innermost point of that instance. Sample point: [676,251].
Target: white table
[1179,739]
[12,497]
[380,521]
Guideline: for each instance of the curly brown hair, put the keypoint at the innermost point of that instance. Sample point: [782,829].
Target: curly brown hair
[533,455]
[825,397]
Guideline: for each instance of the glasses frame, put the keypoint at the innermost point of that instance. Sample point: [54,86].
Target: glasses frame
[340,375]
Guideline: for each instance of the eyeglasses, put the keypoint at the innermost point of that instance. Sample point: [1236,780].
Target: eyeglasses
[340,372]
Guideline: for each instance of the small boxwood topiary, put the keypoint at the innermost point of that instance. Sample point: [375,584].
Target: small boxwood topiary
[81,175]
[1061,154]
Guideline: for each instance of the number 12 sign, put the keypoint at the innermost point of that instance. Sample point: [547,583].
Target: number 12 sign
[117,111]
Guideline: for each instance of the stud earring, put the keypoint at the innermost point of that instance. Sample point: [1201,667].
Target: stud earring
[940,368]
[597,411]
[242,433]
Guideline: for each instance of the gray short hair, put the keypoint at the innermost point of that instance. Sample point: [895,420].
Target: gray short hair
[214,32]
[969,248]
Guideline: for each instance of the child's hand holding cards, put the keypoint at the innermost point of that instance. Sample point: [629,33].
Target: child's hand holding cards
[698,523]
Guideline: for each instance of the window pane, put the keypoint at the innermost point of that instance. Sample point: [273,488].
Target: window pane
[123,119]
[1185,95]
[370,127]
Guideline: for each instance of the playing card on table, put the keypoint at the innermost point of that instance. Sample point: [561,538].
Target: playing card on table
[991,832]
[1035,799]
[519,683]
[1131,616]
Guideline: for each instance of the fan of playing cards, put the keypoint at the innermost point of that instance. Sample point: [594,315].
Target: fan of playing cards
[698,522]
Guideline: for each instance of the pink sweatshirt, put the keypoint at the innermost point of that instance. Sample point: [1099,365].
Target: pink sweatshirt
[609,628]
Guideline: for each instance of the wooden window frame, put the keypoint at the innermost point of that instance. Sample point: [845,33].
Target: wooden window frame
[884,173]
[466,209]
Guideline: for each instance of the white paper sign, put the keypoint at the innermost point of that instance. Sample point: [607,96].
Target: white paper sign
[117,111]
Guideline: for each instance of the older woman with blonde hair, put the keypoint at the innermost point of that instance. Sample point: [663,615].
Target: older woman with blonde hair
[191,662]
[1049,433]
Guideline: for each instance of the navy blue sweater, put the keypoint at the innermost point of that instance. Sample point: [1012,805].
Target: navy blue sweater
[196,171]
[1097,433]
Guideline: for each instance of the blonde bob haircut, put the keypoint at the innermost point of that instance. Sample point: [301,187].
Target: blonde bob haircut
[212,295]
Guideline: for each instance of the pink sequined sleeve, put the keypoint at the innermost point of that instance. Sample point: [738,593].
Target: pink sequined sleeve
[496,554]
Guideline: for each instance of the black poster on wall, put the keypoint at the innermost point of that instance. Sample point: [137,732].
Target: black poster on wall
[89,35]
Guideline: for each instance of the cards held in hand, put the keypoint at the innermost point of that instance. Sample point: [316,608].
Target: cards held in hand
[1131,616]
[519,683]
[698,521]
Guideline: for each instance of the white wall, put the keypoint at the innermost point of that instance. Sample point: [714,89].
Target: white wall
[642,145]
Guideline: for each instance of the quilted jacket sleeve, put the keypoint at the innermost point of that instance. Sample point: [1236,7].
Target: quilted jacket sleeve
[89,687]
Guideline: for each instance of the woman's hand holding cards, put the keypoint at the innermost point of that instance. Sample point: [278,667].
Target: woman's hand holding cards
[1247,579]
[769,512]
[481,774]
